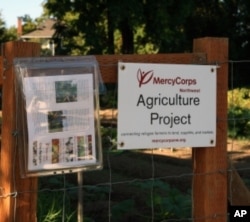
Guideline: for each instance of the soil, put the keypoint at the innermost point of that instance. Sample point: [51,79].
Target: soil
[238,150]
[176,161]
[122,169]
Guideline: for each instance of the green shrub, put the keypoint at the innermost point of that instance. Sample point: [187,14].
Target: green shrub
[55,204]
[168,202]
[239,113]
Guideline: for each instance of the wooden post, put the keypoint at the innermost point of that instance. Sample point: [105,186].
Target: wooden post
[1,71]
[15,204]
[210,164]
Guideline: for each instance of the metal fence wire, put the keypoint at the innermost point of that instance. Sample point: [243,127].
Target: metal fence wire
[145,185]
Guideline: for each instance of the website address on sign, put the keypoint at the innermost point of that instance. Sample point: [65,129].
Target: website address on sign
[168,140]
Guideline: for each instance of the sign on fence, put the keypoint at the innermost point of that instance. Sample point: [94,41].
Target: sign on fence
[58,99]
[166,105]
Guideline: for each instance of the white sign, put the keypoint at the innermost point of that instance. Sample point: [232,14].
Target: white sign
[166,105]
[60,117]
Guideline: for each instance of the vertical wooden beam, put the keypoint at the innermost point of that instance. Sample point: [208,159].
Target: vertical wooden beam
[210,164]
[1,71]
[22,206]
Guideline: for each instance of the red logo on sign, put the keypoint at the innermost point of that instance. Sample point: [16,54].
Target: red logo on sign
[144,77]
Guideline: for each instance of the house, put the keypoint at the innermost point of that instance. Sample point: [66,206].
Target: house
[43,34]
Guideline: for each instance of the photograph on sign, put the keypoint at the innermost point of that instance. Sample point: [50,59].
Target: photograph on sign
[166,105]
[60,115]
[61,130]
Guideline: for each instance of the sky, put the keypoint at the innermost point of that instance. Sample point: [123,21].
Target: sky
[11,9]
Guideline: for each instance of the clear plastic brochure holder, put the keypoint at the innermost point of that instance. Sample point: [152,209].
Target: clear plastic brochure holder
[58,129]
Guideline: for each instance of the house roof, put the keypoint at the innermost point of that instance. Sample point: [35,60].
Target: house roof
[44,30]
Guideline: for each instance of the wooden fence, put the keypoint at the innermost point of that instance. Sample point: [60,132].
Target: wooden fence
[210,165]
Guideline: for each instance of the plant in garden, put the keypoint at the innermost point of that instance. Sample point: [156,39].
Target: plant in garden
[167,202]
[50,208]
[123,209]
[53,204]
[109,135]
[239,113]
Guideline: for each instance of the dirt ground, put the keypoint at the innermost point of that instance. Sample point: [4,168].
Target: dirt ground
[238,152]
[122,170]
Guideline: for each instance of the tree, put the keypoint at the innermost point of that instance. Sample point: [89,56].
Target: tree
[146,26]
[2,28]
[6,34]
[222,18]
[165,24]
[238,18]
[155,24]
[10,34]
[28,24]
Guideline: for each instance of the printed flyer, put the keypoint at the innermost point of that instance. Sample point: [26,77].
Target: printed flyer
[166,105]
[60,121]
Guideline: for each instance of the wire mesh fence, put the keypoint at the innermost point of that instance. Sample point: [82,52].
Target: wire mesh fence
[144,185]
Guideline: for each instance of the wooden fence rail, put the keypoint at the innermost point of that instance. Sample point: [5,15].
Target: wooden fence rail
[209,164]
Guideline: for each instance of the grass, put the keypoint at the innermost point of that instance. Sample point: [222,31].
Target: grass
[132,194]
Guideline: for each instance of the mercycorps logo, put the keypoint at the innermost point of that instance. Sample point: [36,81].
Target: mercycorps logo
[144,77]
